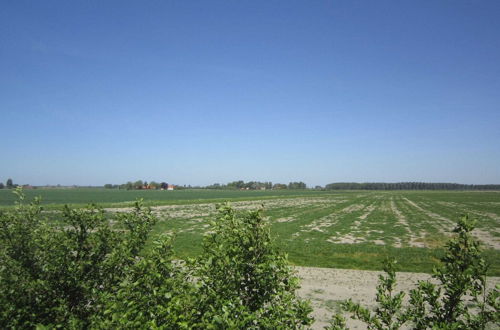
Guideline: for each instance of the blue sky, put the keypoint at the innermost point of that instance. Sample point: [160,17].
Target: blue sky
[197,92]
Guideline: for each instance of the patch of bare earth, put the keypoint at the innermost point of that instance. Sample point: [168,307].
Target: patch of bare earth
[444,225]
[484,236]
[188,211]
[327,287]
[414,241]
[320,224]
[466,210]
[289,219]
[350,238]
[345,239]
[352,208]
[369,209]
[487,238]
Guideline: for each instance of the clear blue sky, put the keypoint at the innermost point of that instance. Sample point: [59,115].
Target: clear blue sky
[197,92]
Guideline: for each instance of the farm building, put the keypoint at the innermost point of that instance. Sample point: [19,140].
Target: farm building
[167,186]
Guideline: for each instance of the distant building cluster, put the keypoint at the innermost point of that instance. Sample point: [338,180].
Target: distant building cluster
[141,185]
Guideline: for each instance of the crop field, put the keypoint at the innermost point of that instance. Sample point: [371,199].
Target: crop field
[81,196]
[354,229]
[341,229]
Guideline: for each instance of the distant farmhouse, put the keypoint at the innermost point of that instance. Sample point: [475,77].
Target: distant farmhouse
[167,186]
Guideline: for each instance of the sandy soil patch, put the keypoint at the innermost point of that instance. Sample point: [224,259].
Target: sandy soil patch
[345,239]
[487,238]
[414,241]
[482,234]
[464,209]
[287,202]
[490,215]
[208,209]
[289,219]
[445,225]
[429,213]
[369,209]
[318,225]
[326,287]
[352,208]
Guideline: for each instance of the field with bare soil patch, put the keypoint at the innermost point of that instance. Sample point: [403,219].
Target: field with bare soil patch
[354,229]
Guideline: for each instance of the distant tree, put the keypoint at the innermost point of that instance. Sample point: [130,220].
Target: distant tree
[297,185]
[2,185]
[236,184]
[408,186]
[163,185]
[252,185]
[108,186]
[138,184]
[9,184]
[154,185]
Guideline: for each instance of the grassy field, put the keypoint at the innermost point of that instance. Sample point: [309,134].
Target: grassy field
[341,229]
[110,197]
[355,229]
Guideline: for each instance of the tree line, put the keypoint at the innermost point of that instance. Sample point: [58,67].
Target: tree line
[256,185]
[408,186]
[138,185]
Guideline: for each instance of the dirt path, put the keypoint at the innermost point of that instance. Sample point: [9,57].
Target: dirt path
[326,287]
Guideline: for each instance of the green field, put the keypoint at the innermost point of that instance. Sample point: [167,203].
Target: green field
[108,197]
[355,229]
[342,229]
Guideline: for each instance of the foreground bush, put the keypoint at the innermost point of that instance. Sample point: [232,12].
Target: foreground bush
[55,274]
[459,301]
[239,282]
[155,293]
[87,270]
[244,282]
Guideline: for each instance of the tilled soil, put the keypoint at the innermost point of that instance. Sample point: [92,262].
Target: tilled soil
[327,287]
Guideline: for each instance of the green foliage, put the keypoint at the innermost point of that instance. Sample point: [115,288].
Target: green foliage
[297,185]
[243,281]
[408,186]
[459,301]
[155,293]
[54,273]
[88,269]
